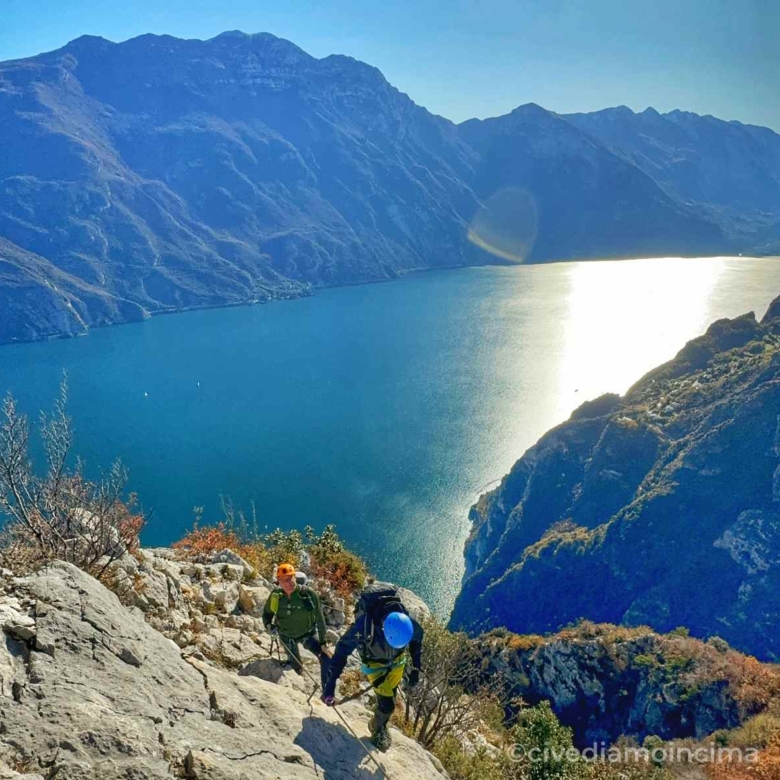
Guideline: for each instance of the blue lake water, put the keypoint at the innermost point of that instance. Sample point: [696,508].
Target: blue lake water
[385,408]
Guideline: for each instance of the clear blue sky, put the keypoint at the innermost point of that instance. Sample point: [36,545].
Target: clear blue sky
[464,58]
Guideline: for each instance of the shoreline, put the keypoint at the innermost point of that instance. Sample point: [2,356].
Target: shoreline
[313,289]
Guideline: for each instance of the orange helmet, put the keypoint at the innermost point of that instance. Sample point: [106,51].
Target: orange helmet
[285,570]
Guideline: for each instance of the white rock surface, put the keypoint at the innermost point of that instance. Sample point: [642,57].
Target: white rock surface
[418,609]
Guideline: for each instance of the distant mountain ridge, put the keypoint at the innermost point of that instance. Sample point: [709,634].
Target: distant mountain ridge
[162,174]
[727,169]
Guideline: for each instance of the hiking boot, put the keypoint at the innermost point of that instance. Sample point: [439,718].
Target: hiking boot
[382,740]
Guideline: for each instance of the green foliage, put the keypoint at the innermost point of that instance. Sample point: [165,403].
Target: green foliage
[345,571]
[454,695]
[675,663]
[651,743]
[543,747]
[680,631]
[721,645]
[330,560]
[757,732]
[646,661]
[475,765]
[284,546]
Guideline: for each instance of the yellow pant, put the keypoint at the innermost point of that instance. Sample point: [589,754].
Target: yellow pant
[393,679]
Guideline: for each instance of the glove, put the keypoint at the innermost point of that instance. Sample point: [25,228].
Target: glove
[330,701]
[414,678]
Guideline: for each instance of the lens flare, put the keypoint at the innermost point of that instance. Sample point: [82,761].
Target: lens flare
[506,225]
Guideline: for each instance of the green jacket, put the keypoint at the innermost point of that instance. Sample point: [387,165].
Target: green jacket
[297,615]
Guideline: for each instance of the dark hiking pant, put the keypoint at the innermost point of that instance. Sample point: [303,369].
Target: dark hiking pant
[310,642]
[385,705]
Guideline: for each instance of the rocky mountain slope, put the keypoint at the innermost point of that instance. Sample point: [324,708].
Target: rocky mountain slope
[162,174]
[585,200]
[172,174]
[657,508]
[170,673]
[90,690]
[606,682]
[729,169]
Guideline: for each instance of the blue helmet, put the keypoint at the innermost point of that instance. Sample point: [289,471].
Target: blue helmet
[398,629]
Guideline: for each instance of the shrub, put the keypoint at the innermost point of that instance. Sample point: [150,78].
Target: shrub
[59,513]
[522,642]
[345,571]
[547,749]
[453,696]
[758,732]
[646,661]
[200,544]
[721,645]
[477,764]
[328,558]
[284,546]
[766,767]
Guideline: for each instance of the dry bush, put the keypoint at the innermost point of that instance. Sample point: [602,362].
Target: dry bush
[754,685]
[351,682]
[200,544]
[523,642]
[461,764]
[59,513]
[758,732]
[452,697]
[328,558]
[766,767]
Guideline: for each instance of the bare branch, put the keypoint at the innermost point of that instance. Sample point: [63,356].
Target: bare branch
[61,514]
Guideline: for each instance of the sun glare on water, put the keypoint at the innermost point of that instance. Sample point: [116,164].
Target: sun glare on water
[624,318]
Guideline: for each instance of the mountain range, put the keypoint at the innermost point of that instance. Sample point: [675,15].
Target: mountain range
[162,174]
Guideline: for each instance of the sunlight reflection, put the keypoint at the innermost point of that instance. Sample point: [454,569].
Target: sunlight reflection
[625,318]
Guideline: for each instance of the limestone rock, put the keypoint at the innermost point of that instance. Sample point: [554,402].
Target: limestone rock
[223,594]
[417,608]
[252,599]
[604,682]
[116,699]
[234,559]
[753,541]
[229,647]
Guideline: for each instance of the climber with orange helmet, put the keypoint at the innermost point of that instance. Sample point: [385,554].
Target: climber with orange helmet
[293,613]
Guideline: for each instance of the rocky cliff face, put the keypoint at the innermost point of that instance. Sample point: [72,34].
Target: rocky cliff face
[657,508]
[605,681]
[89,690]
[162,174]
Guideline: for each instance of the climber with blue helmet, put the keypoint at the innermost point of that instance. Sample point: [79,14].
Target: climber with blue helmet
[382,633]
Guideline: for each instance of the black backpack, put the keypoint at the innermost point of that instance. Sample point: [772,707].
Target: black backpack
[375,603]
